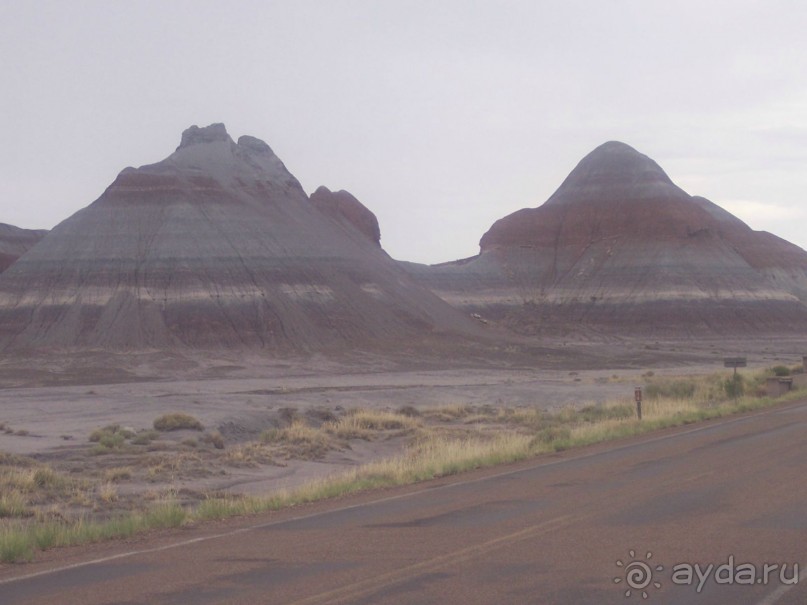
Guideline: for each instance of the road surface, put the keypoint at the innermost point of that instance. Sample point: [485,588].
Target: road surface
[606,524]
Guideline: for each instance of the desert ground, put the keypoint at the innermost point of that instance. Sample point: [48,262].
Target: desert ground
[52,409]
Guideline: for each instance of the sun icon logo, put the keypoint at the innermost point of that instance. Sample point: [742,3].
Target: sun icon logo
[638,574]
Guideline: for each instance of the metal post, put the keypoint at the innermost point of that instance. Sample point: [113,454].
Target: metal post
[637,393]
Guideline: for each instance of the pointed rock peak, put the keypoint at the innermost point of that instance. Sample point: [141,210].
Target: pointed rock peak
[209,134]
[620,159]
[612,167]
[344,207]
[615,147]
[616,151]
[253,144]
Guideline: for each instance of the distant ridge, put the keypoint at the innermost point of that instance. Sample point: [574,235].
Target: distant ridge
[14,242]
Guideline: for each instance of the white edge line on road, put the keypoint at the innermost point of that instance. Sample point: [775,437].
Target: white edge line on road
[234,532]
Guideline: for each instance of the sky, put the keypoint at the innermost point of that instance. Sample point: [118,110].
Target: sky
[441,116]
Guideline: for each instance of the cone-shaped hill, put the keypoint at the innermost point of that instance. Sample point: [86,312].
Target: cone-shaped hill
[619,247]
[14,242]
[215,246]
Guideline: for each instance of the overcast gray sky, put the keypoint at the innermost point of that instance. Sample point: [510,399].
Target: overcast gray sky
[441,116]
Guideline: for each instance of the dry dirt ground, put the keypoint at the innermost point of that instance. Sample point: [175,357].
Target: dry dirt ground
[50,405]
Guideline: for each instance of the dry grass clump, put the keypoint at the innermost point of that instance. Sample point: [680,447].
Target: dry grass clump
[177,421]
[529,417]
[248,454]
[433,456]
[364,424]
[448,413]
[118,474]
[26,486]
[13,503]
[107,492]
[174,465]
[30,479]
[300,440]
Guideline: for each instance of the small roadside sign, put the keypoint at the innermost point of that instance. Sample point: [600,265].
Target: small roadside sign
[735,362]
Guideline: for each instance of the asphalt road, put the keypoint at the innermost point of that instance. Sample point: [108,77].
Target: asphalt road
[561,529]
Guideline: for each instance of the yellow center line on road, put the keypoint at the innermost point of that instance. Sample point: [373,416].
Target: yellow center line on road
[376,583]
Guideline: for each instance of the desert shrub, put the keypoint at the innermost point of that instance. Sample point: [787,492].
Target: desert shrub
[177,421]
[111,437]
[145,437]
[112,441]
[780,371]
[734,386]
[111,433]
